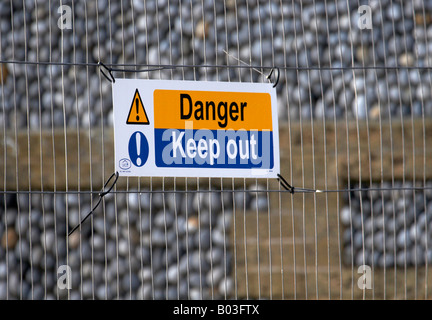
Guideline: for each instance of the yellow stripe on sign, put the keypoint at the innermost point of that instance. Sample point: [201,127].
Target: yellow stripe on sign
[212,110]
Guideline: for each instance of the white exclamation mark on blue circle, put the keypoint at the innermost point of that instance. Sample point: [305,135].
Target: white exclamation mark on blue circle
[138,148]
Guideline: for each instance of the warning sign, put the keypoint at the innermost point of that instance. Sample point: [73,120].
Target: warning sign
[195,129]
[137,113]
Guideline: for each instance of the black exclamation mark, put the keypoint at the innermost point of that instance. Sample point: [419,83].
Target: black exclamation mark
[137,109]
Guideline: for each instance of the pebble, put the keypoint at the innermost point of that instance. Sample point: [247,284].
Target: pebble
[345,215]
[226,286]
[192,224]
[214,276]
[224,221]
[133,200]
[202,29]
[11,216]
[74,240]
[218,237]
[48,240]
[3,270]
[22,224]
[260,203]
[374,113]
[144,292]
[204,239]
[359,107]
[123,247]
[163,219]
[9,239]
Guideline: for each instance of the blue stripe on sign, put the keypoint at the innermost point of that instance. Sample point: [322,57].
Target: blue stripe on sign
[222,149]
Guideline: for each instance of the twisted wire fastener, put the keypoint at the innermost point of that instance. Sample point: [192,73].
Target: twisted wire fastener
[101,66]
[102,194]
[285,184]
[277,77]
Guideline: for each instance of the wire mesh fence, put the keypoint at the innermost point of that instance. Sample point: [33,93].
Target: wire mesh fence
[354,107]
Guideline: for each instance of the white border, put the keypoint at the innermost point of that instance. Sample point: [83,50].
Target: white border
[123,93]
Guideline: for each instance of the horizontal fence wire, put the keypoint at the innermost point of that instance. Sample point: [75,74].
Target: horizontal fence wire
[420,188]
[220,66]
[354,110]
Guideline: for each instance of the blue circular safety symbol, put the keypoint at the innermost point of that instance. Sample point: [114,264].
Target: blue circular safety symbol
[138,148]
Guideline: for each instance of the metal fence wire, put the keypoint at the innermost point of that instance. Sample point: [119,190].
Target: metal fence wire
[354,104]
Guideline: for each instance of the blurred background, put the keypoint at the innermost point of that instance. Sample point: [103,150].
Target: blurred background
[354,105]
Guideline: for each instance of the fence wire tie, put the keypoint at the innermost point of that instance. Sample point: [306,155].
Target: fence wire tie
[277,77]
[290,188]
[101,66]
[102,194]
[285,184]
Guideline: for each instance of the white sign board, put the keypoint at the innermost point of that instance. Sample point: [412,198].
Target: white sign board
[195,129]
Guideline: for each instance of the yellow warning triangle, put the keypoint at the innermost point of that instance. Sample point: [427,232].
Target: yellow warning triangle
[137,113]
